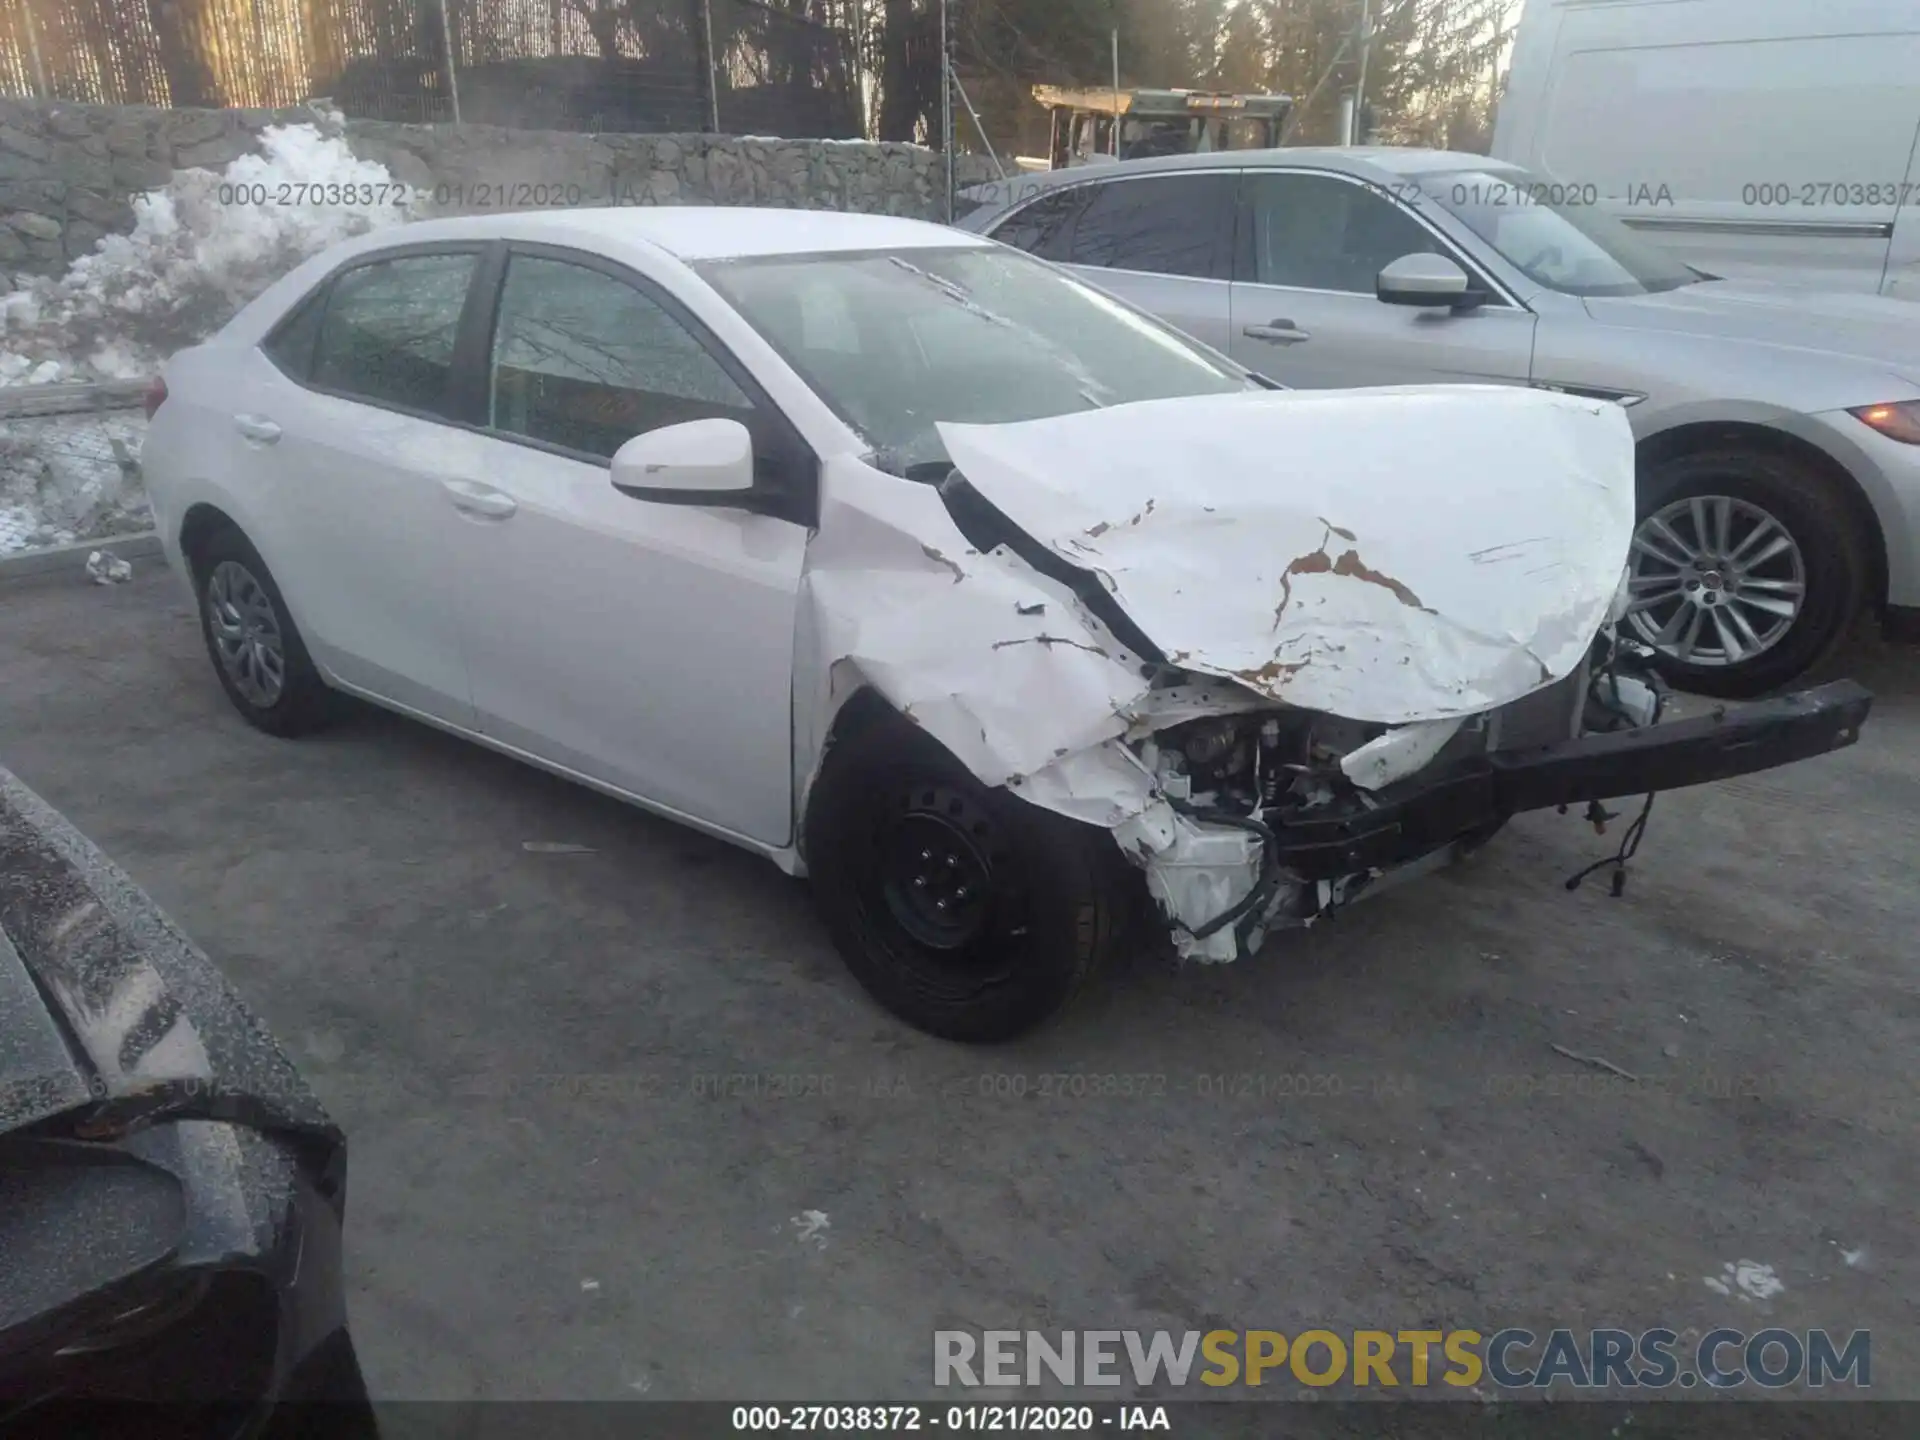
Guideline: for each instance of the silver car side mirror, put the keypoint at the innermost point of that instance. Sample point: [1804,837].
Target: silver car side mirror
[1426,281]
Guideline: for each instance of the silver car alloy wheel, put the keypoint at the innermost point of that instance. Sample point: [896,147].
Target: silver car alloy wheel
[246,633]
[1714,581]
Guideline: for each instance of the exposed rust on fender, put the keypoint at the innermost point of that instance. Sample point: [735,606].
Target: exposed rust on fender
[1273,673]
[1349,565]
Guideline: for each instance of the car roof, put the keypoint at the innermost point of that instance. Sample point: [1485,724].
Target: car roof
[1366,160]
[695,232]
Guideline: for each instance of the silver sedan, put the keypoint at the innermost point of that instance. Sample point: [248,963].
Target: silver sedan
[1778,428]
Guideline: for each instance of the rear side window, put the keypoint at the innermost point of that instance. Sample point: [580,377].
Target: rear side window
[389,329]
[1045,228]
[291,345]
[1161,225]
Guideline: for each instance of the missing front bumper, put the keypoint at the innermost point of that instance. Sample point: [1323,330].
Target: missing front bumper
[1396,826]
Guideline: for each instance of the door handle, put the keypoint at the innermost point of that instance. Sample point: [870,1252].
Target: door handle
[257,428]
[1277,332]
[475,499]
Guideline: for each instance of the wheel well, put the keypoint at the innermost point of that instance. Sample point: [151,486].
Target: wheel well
[200,524]
[864,710]
[1721,435]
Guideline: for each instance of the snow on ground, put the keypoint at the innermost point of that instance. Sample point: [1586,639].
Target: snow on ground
[65,478]
[120,311]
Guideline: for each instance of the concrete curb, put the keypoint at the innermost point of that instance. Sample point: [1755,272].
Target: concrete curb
[139,545]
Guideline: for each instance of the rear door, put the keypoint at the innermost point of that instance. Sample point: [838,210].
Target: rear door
[1161,241]
[1310,246]
[345,434]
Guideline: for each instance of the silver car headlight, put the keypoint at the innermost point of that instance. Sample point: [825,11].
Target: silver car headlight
[1898,421]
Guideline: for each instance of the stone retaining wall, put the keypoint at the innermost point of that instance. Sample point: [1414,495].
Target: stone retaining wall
[69,172]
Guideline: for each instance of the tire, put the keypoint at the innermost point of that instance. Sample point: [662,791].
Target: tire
[243,620]
[1038,901]
[1826,558]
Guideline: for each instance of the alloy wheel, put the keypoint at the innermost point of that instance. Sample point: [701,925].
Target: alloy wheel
[1714,581]
[246,633]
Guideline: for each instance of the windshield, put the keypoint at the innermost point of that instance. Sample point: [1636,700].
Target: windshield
[895,343]
[1553,234]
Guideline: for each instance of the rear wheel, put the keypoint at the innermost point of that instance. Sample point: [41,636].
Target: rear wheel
[262,663]
[967,912]
[1747,570]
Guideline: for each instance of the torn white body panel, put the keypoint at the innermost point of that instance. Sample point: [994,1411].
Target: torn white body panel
[1003,666]
[1392,555]
[1009,671]
[1403,751]
[1410,558]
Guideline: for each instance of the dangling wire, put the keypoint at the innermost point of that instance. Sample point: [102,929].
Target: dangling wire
[1636,831]
[1629,846]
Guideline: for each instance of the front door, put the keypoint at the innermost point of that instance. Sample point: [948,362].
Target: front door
[645,646]
[1310,248]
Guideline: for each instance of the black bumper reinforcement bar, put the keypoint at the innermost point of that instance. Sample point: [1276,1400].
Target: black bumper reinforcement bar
[1405,821]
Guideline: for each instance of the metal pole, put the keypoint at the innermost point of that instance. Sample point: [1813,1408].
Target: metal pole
[860,66]
[1360,89]
[1116,92]
[41,87]
[713,67]
[961,90]
[1300,107]
[1346,118]
[946,104]
[446,38]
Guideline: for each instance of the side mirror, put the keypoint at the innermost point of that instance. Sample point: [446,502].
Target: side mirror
[1426,281]
[698,462]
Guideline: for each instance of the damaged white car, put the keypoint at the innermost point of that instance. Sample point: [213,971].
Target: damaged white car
[1000,610]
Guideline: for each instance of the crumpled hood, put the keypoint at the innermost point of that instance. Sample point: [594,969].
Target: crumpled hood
[1860,327]
[1389,556]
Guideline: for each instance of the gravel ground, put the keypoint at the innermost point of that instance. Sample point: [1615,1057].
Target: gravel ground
[553,1197]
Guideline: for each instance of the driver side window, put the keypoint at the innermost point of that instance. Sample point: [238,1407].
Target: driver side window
[1321,232]
[584,360]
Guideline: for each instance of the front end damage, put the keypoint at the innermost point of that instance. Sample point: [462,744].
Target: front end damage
[1287,648]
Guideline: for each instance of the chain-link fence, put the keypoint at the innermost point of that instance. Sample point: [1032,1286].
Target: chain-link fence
[69,464]
[772,67]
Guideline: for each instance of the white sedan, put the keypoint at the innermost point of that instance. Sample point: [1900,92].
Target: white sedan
[999,609]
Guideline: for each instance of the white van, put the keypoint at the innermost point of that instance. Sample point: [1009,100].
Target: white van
[1761,139]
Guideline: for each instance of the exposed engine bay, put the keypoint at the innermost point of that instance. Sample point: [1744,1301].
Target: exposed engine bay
[1263,774]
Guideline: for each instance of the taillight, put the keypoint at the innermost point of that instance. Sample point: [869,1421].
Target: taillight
[156,395]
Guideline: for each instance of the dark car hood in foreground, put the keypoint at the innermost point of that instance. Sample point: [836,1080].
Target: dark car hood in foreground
[107,1008]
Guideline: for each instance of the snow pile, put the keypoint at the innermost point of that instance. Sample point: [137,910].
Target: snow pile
[65,478]
[192,260]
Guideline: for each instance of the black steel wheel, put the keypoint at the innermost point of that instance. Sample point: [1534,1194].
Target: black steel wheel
[964,910]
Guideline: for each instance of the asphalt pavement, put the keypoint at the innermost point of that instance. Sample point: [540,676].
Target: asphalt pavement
[621,1124]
